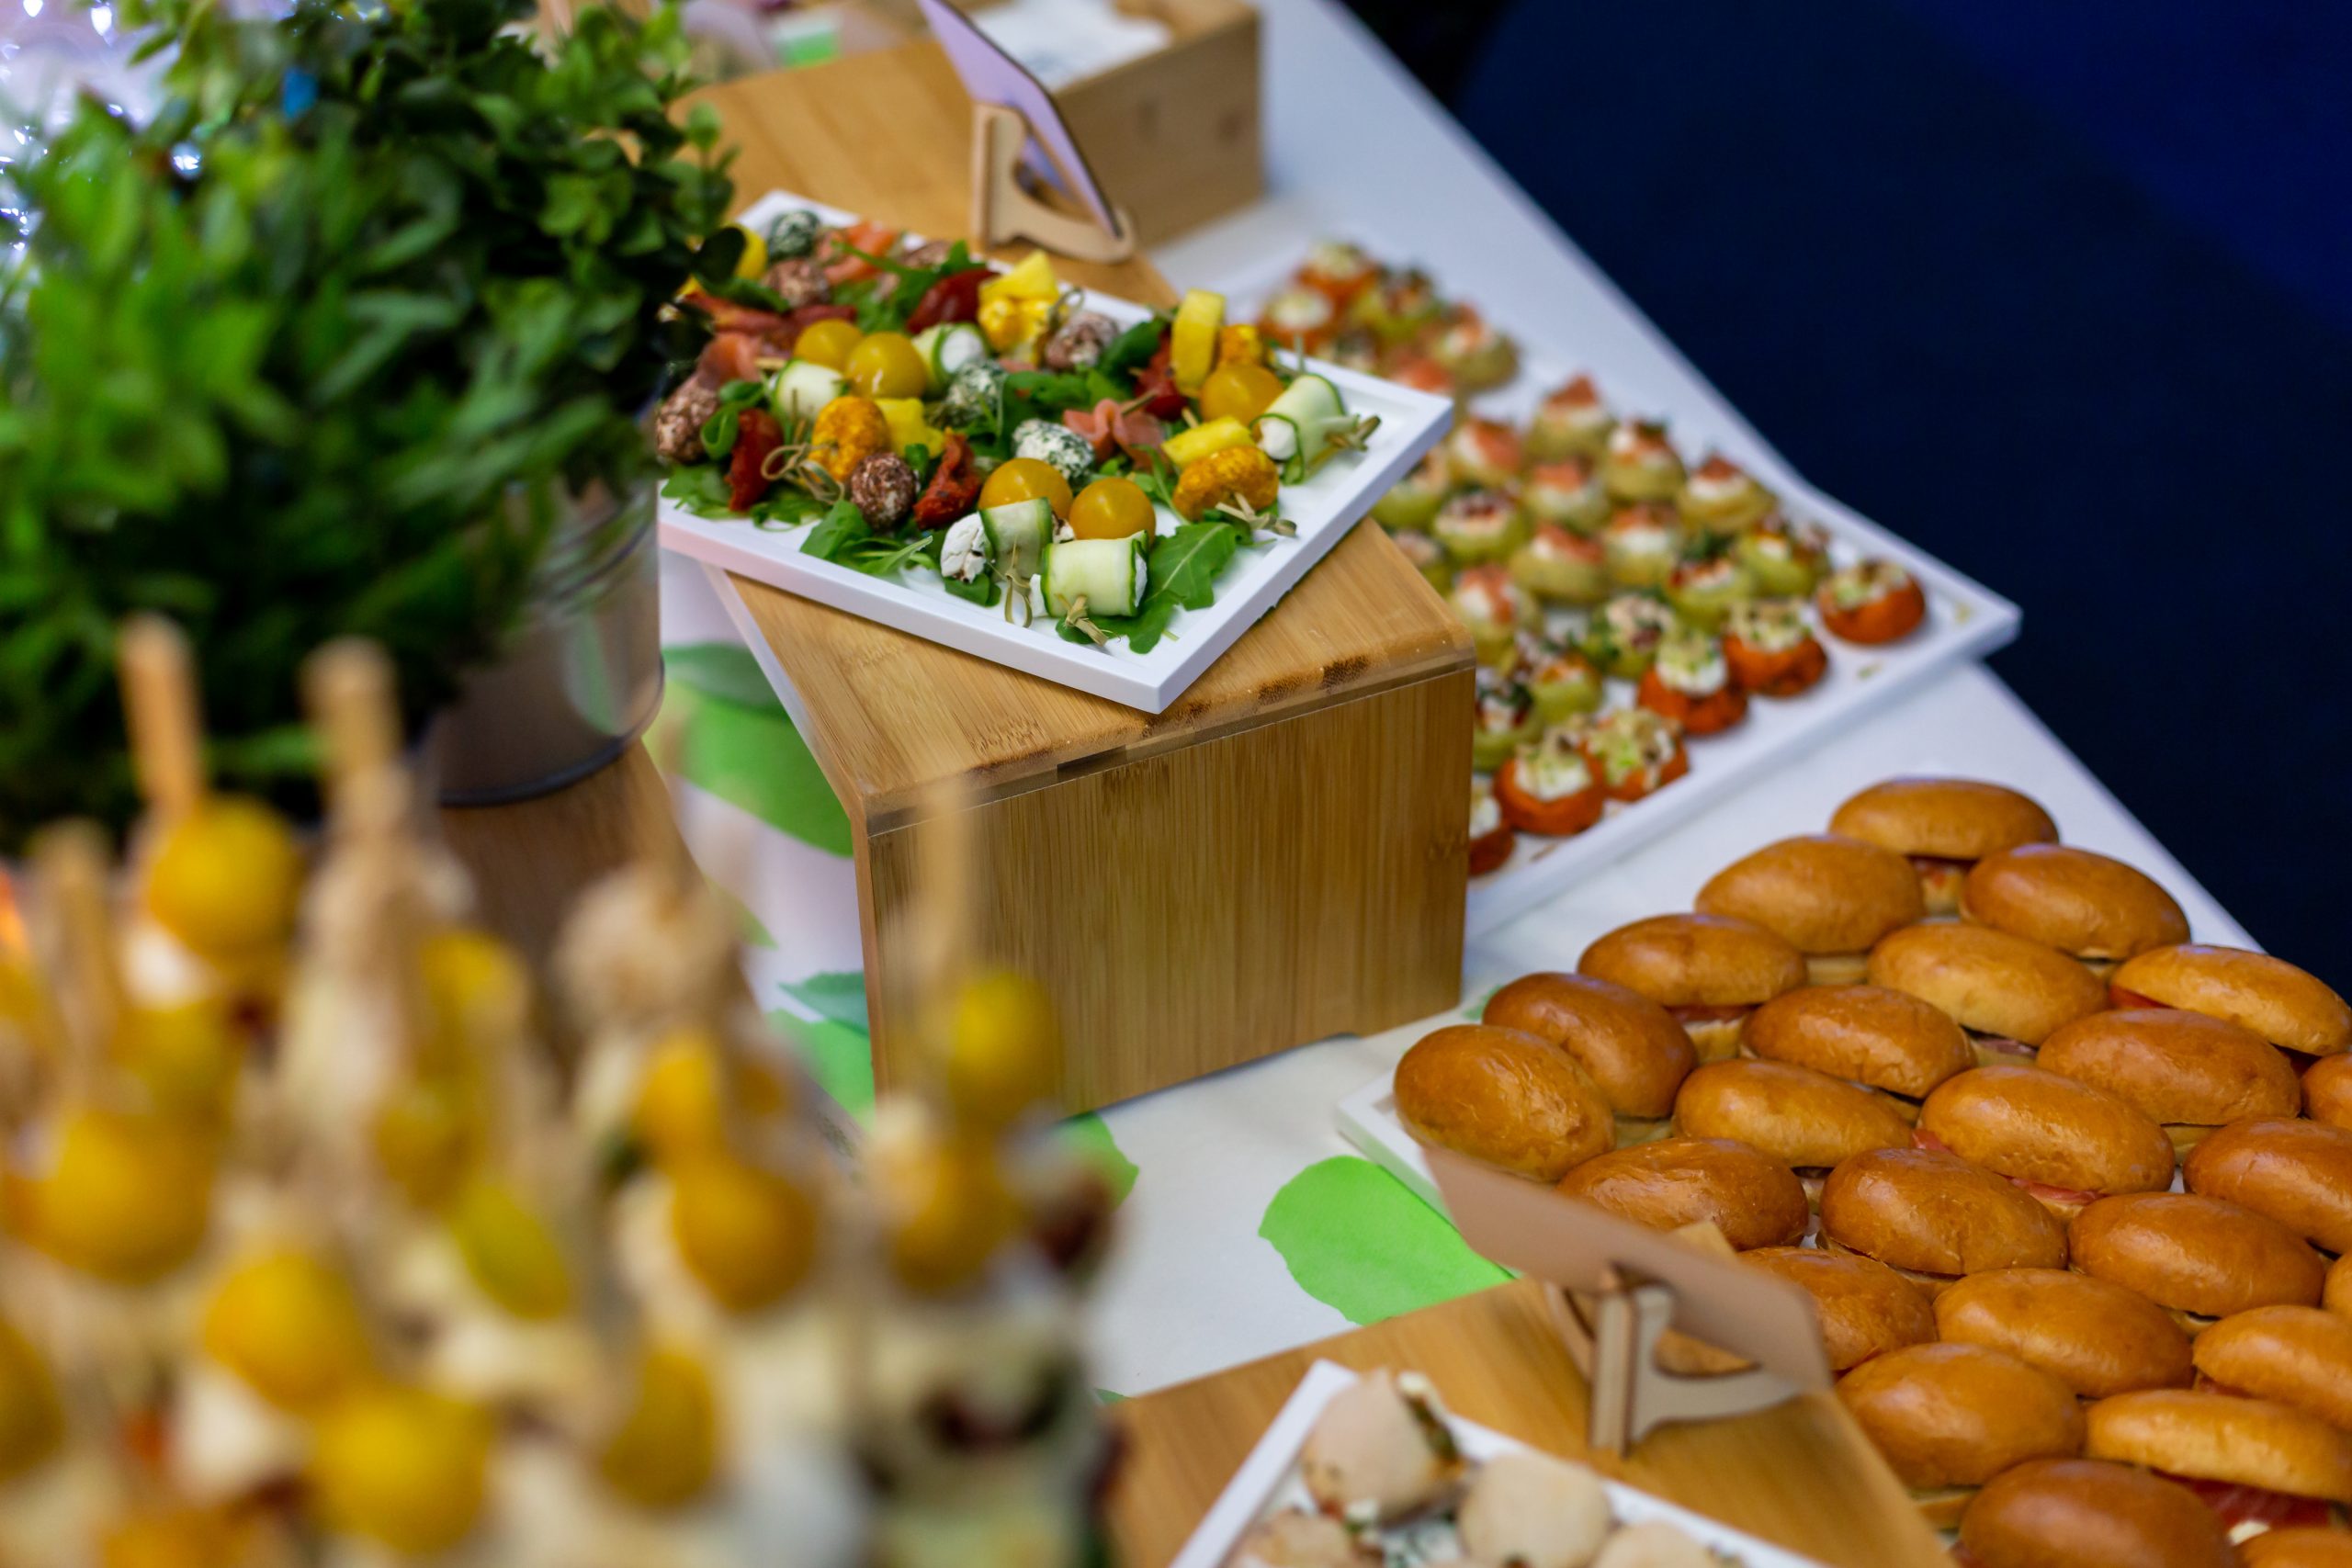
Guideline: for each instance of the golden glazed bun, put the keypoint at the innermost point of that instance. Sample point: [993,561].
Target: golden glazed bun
[2304,1546]
[2031,1126]
[2327,1092]
[1509,1098]
[1945,819]
[2090,1513]
[1950,1416]
[1696,961]
[2097,1338]
[2297,1172]
[2072,900]
[1627,1043]
[2298,1356]
[1825,894]
[2285,1005]
[2184,1069]
[1865,1308]
[1873,1035]
[1754,1200]
[1988,980]
[1937,1215]
[2215,1436]
[2194,1255]
[1807,1120]
[2336,1295]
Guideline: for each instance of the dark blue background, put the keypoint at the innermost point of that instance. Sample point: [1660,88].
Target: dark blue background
[2062,293]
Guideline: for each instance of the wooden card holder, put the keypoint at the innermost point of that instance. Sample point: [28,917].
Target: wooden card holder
[1004,209]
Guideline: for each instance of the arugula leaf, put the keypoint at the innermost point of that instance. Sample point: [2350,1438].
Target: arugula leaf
[843,526]
[981,591]
[699,488]
[886,557]
[786,508]
[1142,630]
[1132,349]
[1184,567]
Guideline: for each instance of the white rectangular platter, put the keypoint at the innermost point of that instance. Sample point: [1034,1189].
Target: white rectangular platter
[1965,620]
[1269,1479]
[1368,1120]
[1324,508]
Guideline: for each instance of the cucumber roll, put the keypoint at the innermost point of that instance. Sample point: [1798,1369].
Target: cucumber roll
[1016,536]
[1096,577]
[948,348]
[1305,425]
[800,388]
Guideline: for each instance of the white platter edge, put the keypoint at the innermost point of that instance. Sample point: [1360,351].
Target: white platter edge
[1368,1120]
[1269,1464]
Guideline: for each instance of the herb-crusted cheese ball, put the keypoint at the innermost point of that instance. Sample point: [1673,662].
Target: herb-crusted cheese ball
[1068,451]
[973,394]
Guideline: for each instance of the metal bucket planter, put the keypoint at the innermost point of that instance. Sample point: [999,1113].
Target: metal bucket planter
[580,676]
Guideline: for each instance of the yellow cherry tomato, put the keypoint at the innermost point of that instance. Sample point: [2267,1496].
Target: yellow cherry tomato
[172,1538]
[225,879]
[402,1467]
[827,343]
[748,1234]
[184,1054]
[477,992]
[887,364]
[951,1210]
[1026,479]
[665,1449]
[1111,508]
[32,1421]
[1004,1049]
[127,1198]
[509,1251]
[289,1324]
[427,1135]
[1240,391]
[679,1109]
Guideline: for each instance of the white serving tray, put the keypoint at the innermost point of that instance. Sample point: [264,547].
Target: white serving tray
[1268,1478]
[1368,1120]
[1965,620]
[1324,508]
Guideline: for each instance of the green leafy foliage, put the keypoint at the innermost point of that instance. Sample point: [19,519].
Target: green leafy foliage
[318,350]
[1183,570]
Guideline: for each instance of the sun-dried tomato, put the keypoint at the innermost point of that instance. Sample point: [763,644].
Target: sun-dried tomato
[953,489]
[955,297]
[756,434]
[1156,392]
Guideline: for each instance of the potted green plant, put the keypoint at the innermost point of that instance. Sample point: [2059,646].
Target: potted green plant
[352,336]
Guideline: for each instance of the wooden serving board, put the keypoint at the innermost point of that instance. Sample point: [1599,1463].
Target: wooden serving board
[1277,857]
[1801,1475]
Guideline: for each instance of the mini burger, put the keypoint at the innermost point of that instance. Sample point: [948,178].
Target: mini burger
[1627,1045]
[2337,1295]
[2292,1007]
[1864,1308]
[2257,1463]
[2008,993]
[1944,825]
[1869,1034]
[1708,971]
[2327,1091]
[2298,1356]
[1808,1121]
[2096,1338]
[1511,1099]
[1831,898]
[2297,1172]
[1934,1217]
[2189,1072]
[2063,1142]
[2199,1258]
[2302,1546]
[1950,1417]
[2089,1513]
[1752,1199]
[2098,909]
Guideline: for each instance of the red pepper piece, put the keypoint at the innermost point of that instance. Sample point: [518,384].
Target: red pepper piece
[953,489]
[756,434]
[955,297]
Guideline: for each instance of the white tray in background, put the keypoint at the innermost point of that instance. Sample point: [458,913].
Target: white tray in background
[1324,508]
[1965,620]
[1269,1477]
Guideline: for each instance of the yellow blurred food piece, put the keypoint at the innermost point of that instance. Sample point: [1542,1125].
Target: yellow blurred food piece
[748,1234]
[172,1538]
[509,1251]
[126,1197]
[1192,338]
[1238,391]
[665,1449]
[908,428]
[951,1210]
[427,1135]
[679,1108]
[754,259]
[402,1467]
[32,1422]
[225,879]
[827,343]
[186,1056]
[289,1323]
[1032,278]
[1004,1049]
[478,993]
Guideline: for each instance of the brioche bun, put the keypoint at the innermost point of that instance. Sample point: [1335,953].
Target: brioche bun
[2071,899]
[1936,1217]
[2285,1005]
[2327,1092]
[1944,818]
[2194,1256]
[1828,895]
[2296,1355]
[2096,1338]
[1873,1035]
[1805,1120]
[2189,1072]
[1988,980]
[2215,1436]
[1864,1308]
[1627,1045]
[2301,1546]
[1956,1415]
[1507,1098]
[2090,1513]
[2033,1126]
[2297,1172]
[1754,1200]
[2335,1292]
[1696,961]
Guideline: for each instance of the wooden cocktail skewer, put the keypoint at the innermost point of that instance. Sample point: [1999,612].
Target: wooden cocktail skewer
[159,701]
[347,692]
[70,867]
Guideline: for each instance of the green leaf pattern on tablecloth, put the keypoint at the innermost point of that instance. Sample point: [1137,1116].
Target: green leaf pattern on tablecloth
[1091,1136]
[744,749]
[840,1056]
[1356,1240]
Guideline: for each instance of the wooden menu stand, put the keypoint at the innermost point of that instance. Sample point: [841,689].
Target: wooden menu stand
[1614,1336]
[1277,857]
[1003,209]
